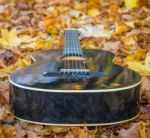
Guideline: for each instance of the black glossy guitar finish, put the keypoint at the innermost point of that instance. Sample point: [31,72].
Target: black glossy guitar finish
[105,94]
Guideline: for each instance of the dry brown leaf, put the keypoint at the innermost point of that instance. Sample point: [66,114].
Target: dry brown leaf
[3,100]
[132,132]
[38,23]
[20,131]
[8,131]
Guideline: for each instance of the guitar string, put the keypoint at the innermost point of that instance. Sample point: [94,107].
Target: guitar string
[67,37]
[75,54]
[65,65]
[66,51]
[73,36]
[82,64]
[69,50]
[78,51]
[78,65]
[72,51]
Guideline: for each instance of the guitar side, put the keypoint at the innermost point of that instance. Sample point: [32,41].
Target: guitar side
[98,101]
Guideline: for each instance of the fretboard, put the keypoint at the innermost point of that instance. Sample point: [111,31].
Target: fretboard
[72,44]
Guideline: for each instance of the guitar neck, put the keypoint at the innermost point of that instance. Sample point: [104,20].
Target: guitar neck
[72,44]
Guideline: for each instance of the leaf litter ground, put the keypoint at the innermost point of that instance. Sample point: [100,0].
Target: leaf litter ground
[122,27]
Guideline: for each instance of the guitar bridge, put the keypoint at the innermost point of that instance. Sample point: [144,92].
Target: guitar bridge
[75,73]
[80,71]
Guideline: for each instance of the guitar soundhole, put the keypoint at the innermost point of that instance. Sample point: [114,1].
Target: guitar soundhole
[74,62]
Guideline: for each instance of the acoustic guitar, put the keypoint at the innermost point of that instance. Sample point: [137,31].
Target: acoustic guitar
[75,87]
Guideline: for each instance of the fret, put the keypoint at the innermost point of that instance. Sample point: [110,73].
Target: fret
[74,62]
[72,44]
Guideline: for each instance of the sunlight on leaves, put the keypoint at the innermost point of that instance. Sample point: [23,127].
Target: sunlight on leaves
[136,55]
[28,26]
[9,38]
[143,69]
[131,3]
[121,29]
[93,12]
[142,130]
[95,31]
[24,62]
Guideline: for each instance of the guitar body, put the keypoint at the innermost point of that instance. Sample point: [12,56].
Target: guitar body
[54,100]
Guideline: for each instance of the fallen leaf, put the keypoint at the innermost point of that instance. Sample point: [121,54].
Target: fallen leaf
[112,46]
[143,69]
[59,129]
[4,72]
[146,84]
[93,12]
[132,132]
[69,135]
[75,13]
[44,45]
[96,4]
[7,57]
[147,96]
[3,101]
[24,62]
[8,131]
[9,38]
[121,28]
[95,31]
[130,4]
[32,134]
[142,130]
[38,23]
[20,131]
[132,40]
[136,56]
[132,23]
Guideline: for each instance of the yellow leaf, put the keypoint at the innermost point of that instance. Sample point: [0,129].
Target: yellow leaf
[142,130]
[147,61]
[4,72]
[56,136]
[8,131]
[93,12]
[94,4]
[143,69]
[121,29]
[9,39]
[26,39]
[132,40]
[59,129]
[132,23]
[136,56]
[131,3]
[44,45]
[77,87]
[24,62]
[1,135]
